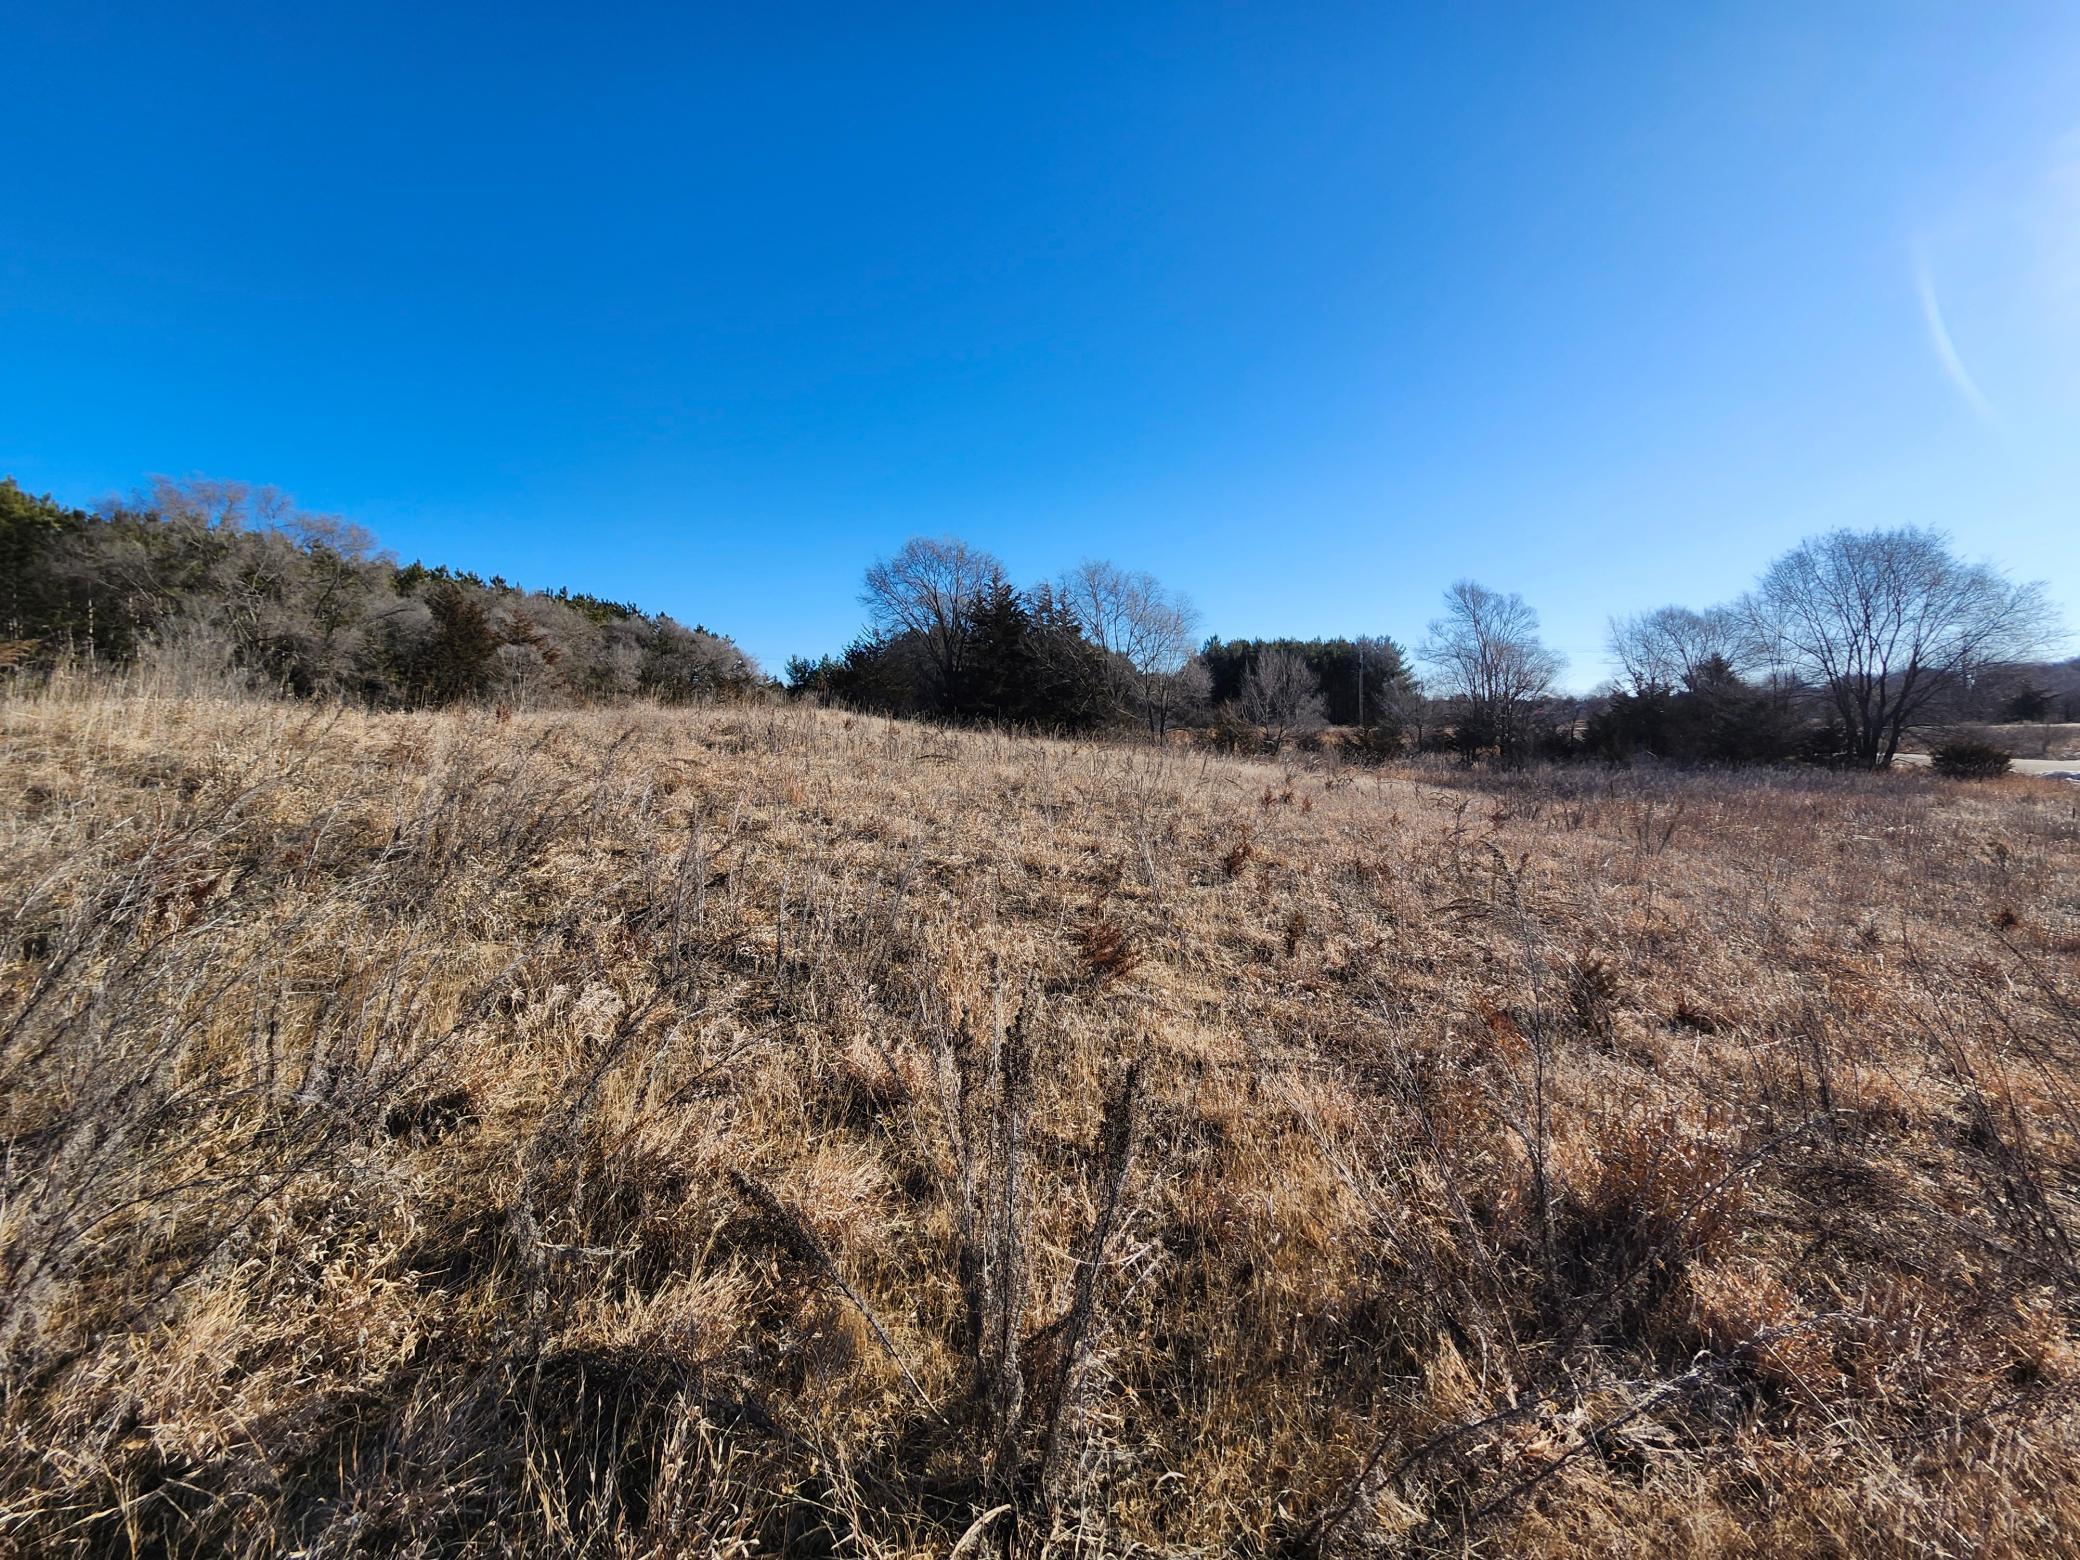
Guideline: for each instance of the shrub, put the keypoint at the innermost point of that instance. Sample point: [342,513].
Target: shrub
[1230,733]
[2028,703]
[1970,760]
[1375,744]
[1108,949]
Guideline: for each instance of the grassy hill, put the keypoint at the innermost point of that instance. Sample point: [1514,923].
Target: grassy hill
[684,1131]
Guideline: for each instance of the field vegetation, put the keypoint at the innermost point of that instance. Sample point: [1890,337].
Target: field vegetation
[766,1129]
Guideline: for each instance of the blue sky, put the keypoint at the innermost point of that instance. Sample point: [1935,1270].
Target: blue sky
[1307,309]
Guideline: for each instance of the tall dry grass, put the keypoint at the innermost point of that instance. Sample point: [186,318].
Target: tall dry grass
[770,1130]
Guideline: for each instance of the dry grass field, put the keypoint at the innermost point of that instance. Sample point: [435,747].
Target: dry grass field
[2046,740]
[2024,739]
[761,1130]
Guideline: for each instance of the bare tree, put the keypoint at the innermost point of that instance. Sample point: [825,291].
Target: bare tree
[1145,632]
[1282,694]
[927,589]
[1387,690]
[1170,696]
[216,503]
[1673,647]
[1884,622]
[1487,652]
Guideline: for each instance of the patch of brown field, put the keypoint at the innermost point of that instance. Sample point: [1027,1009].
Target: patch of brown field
[680,1132]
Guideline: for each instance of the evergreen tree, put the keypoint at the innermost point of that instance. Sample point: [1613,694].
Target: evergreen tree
[34,600]
[1072,687]
[999,658]
[2029,702]
[1364,682]
[457,663]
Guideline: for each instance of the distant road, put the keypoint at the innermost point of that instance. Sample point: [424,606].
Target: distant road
[2044,768]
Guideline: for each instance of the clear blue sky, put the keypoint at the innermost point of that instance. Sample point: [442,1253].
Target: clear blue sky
[1308,309]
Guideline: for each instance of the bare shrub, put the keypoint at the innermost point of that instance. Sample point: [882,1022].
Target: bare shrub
[1108,949]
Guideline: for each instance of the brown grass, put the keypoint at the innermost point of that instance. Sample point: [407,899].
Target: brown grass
[697,1132]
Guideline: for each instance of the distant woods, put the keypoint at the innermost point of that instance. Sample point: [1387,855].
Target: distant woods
[949,636]
[1842,647]
[230,579]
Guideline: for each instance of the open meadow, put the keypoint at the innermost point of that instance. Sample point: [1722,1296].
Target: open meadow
[756,1129]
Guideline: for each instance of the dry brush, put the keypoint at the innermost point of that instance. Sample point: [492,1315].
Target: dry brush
[651,1131]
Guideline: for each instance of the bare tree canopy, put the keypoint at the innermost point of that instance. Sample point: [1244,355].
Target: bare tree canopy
[928,588]
[1671,648]
[1145,631]
[1282,694]
[1172,696]
[215,502]
[231,581]
[1885,622]
[1486,650]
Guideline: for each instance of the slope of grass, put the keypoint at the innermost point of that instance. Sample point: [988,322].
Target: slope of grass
[764,1129]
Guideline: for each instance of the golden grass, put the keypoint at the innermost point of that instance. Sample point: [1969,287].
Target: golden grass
[759,1128]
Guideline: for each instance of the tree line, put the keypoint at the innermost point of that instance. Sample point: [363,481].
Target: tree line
[1843,645]
[949,636]
[236,575]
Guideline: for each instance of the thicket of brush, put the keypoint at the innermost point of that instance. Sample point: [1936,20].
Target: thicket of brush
[650,1131]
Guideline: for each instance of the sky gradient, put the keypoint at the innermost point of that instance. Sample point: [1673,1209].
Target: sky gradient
[1308,310]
